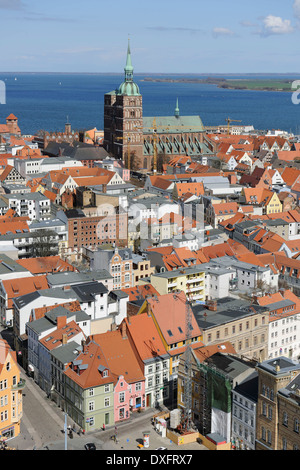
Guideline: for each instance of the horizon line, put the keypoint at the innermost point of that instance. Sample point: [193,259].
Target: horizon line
[151,73]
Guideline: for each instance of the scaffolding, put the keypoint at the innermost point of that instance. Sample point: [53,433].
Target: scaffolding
[216,394]
[186,422]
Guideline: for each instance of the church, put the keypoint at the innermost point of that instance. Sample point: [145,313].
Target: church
[150,141]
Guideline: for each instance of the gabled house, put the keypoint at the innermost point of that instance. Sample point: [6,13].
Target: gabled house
[11,175]
[170,313]
[265,199]
[89,388]
[217,213]
[144,336]
[11,393]
[126,370]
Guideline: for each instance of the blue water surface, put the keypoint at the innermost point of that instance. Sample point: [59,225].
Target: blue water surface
[43,101]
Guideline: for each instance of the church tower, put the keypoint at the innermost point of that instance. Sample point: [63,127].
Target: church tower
[123,120]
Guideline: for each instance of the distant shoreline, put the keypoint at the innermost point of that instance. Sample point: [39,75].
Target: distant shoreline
[233,84]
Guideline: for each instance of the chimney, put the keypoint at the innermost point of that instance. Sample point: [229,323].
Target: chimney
[148,309]
[124,330]
[212,305]
[84,347]
[61,321]
[64,339]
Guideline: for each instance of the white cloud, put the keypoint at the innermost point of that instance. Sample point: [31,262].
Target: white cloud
[222,32]
[296,7]
[276,25]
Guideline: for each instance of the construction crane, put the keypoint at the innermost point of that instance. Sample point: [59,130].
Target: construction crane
[186,420]
[228,123]
[127,138]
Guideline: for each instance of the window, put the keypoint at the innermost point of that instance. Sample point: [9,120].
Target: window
[4,415]
[3,384]
[91,405]
[107,402]
[284,443]
[270,412]
[269,437]
[285,419]
[138,386]
[296,425]
[121,397]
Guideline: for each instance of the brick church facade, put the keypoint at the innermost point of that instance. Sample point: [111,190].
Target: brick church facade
[126,131]
[123,120]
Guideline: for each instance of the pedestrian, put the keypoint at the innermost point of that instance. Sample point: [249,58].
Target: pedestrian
[103,427]
[116,431]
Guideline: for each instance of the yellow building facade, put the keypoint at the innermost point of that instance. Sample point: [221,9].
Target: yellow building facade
[189,280]
[11,386]
[274,205]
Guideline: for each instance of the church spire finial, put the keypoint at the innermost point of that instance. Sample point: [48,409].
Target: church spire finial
[177,109]
[128,68]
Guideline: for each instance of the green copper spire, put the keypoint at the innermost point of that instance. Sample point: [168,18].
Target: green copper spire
[128,67]
[128,87]
[176,109]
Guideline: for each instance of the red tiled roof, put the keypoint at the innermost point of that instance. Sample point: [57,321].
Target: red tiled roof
[138,292]
[120,355]
[170,314]
[46,264]
[21,286]
[145,336]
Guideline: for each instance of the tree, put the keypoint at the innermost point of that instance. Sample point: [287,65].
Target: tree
[134,161]
[44,243]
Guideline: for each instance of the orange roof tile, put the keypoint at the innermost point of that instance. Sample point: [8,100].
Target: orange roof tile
[9,224]
[226,208]
[93,360]
[140,292]
[46,264]
[204,352]
[11,117]
[55,339]
[145,336]
[22,286]
[170,314]
[120,355]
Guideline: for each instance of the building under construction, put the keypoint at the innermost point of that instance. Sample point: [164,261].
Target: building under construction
[215,373]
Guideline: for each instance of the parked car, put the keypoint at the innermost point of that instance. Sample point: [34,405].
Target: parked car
[90,446]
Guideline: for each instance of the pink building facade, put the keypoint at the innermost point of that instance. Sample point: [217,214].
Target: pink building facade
[128,398]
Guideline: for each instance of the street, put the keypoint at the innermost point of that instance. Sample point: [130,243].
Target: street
[43,423]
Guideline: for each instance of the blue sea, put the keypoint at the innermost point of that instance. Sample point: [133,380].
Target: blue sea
[43,101]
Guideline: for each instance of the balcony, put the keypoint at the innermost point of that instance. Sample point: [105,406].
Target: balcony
[197,278]
[20,385]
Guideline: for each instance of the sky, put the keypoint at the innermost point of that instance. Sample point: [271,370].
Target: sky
[166,36]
